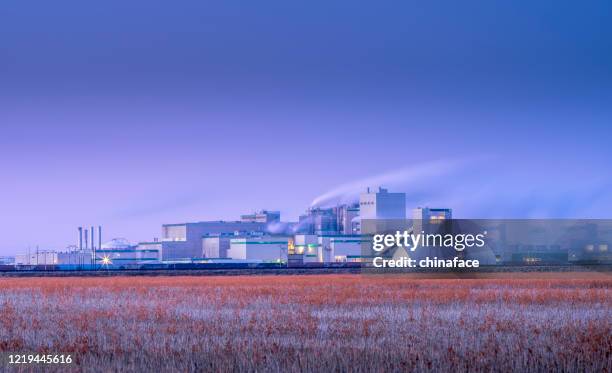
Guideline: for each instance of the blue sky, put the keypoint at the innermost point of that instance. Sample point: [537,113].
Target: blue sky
[131,114]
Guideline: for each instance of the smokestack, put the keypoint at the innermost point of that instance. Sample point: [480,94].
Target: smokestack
[86,240]
[99,237]
[93,241]
[80,238]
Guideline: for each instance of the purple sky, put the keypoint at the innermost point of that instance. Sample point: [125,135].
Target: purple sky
[133,114]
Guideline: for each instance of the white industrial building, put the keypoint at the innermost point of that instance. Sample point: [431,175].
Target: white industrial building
[341,247]
[46,257]
[52,257]
[184,241]
[75,257]
[216,246]
[308,246]
[264,248]
[152,245]
[382,205]
[327,248]
[381,211]
[119,252]
[347,248]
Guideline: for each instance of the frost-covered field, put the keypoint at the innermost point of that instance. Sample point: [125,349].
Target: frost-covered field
[311,323]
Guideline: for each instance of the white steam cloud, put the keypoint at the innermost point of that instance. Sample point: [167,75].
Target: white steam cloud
[486,188]
[415,176]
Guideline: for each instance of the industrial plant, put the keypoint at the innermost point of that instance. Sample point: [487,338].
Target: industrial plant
[322,236]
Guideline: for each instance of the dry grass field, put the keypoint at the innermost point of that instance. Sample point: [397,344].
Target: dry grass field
[312,323]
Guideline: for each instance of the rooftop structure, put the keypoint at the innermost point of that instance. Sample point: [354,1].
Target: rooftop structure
[263,216]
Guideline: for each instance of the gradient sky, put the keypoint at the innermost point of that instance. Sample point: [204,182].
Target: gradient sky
[131,114]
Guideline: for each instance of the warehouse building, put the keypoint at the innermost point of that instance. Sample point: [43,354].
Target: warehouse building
[264,248]
[44,257]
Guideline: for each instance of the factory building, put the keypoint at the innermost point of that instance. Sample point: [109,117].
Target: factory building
[119,252]
[45,257]
[184,241]
[263,248]
[356,225]
[599,253]
[216,246]
[308,246]
[434,221]
[328,220]
[382,205]
[152,245]
[346,215]
[77,258]
[52,257]
[318,220]
[341,247]
[430,219]
[347,248]
[186,232]
[381,211]
[326,248]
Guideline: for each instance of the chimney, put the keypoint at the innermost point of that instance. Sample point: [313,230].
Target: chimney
[86,239]
[93,241]
[80,238]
